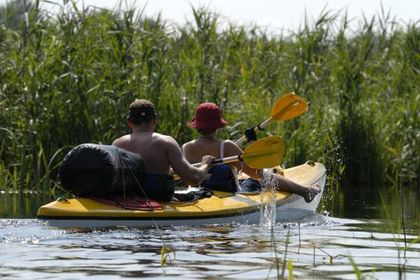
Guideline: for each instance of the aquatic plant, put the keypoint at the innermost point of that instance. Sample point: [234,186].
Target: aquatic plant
[355,268]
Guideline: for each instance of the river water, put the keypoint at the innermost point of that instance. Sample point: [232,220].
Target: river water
[316,247]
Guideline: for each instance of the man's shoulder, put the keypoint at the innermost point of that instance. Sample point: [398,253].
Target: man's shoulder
[163,138]
[120,140]
[166,143]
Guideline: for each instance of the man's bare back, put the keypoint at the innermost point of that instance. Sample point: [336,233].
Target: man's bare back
[151,146]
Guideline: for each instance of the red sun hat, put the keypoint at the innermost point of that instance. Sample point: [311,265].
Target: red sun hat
[208,116]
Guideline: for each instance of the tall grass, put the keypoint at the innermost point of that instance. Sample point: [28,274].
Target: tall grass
[68,78]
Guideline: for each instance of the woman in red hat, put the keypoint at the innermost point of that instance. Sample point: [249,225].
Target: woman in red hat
[208,119]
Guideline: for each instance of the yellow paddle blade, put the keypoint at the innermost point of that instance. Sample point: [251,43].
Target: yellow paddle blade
[288,107]
[264,153]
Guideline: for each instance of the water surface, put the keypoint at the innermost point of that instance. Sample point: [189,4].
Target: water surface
[317,247]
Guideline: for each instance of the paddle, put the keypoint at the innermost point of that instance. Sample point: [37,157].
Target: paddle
[287,107]
[263,153]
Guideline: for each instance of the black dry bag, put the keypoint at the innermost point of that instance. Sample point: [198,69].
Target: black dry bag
[101,170]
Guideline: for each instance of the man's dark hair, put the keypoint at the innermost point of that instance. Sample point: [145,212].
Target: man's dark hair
[141,111]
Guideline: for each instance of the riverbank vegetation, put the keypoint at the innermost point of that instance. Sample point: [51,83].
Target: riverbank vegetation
[67,78]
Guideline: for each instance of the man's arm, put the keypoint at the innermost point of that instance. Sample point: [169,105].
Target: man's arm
[188,173]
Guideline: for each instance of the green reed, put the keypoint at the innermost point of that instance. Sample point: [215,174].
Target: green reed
[68,78]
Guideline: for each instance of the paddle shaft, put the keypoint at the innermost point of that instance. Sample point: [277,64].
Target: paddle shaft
[259,127]
[222,160]
[215,162]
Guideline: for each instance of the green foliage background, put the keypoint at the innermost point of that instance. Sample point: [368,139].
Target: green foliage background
[68,78]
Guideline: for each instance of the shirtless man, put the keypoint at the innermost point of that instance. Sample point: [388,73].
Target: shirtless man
[159,152]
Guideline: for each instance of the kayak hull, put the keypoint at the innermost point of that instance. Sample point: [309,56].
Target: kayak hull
[221,208]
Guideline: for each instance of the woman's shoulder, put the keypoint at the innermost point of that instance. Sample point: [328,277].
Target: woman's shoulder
[230,143]
[188,144]
[231,147]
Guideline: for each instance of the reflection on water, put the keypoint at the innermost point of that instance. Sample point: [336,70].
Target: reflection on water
[319,248]
[21,205]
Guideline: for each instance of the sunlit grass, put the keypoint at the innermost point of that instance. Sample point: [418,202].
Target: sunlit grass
[68,79]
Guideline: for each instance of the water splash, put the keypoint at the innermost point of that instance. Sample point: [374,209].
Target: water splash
[268,199]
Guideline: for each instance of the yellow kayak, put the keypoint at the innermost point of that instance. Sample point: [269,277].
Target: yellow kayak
[220,208]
